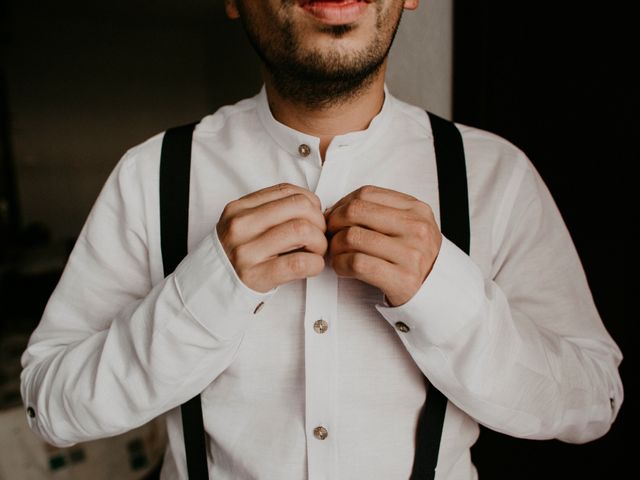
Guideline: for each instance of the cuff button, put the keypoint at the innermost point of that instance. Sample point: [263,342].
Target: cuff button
[402,327]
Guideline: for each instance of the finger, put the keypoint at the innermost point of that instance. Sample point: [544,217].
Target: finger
[282,269]
[284,238]
[250,224]
[380,195]
[381,218]
[369,269]
[270,194]
[398,284]
[375,244]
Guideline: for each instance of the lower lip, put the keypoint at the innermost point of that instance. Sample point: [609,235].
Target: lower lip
[337,13]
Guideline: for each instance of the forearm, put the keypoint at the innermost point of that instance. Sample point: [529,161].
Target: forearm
[85,382]
[497,362]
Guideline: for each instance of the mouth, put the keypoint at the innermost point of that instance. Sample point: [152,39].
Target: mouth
[335,12]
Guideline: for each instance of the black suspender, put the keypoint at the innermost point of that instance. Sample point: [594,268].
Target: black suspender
[175,165]
[454,224]
[452,182]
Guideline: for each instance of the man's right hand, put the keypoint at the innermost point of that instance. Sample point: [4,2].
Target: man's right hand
[274,236]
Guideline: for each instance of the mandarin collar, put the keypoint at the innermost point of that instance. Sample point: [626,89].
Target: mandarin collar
[293,141]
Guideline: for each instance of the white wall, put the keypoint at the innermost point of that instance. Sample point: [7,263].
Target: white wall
[421,60]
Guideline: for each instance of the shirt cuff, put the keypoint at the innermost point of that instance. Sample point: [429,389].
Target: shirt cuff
[212,291]
[449,300]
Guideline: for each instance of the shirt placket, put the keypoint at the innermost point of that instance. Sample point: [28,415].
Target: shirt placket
[321,354]
[320,372]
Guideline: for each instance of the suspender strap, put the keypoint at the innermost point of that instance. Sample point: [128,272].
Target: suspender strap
[175,164]
[452,182]
[454,223]
[175,167]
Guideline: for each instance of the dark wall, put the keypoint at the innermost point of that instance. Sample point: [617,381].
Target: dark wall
[85,82]
[547,78]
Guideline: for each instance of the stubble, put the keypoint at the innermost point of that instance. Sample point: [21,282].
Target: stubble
[314,78]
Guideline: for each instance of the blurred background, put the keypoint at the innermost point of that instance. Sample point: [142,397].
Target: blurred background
[81,83]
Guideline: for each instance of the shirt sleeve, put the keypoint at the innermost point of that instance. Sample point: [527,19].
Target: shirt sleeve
[523,352]
[112,351]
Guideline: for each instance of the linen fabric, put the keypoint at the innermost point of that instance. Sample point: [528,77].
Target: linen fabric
[509,334]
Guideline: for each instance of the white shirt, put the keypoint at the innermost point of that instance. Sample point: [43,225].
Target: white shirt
[510,334]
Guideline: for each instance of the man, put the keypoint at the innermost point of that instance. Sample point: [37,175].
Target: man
[318,289]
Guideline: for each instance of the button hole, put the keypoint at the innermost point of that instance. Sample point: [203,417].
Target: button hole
[258,308]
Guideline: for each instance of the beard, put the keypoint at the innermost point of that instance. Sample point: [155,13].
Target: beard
[319,78]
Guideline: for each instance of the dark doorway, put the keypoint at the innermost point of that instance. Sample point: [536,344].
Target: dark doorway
[546,77]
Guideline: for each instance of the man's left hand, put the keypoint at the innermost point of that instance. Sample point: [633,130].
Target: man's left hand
[385,238]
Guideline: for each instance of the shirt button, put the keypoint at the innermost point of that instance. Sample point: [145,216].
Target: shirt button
[320,326]
[320,433]
[304,150]
[31,412]
[402,327]
[258,307]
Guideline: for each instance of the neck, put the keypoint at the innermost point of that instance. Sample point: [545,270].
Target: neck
[328,121]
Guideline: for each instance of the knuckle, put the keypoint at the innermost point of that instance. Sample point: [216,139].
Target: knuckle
[354,209]
[420,229]
[316,265]
[360,264]
[427,209]
[365,191]
[316,197]
[300,200]
[228,208]
[285,188]
[300,227]
[424,210]
[235,226]
[353,236]
[297,264]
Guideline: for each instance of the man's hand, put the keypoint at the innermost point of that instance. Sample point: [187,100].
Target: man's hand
[274,235]
[384,238]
